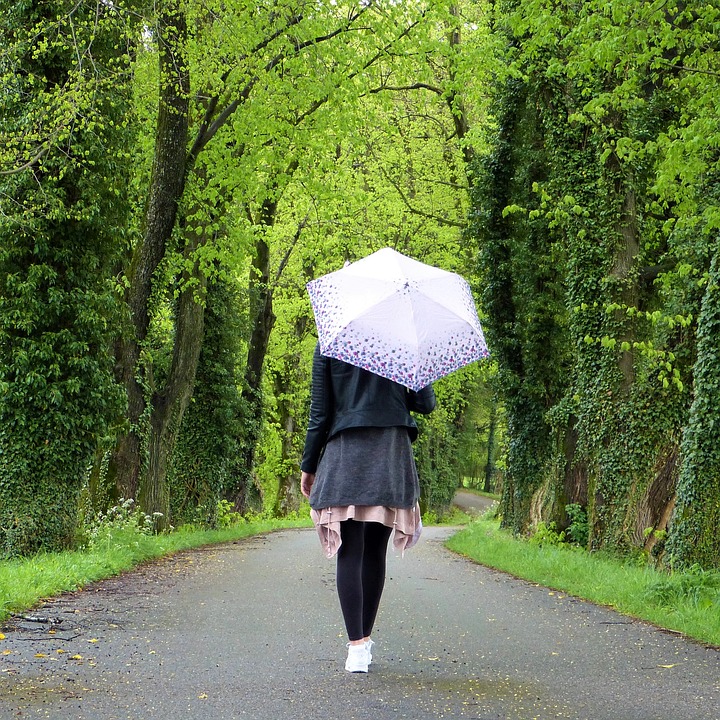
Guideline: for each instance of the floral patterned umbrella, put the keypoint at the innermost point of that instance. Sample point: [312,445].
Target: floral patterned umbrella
[397,317]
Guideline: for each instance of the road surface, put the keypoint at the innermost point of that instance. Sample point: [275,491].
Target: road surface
[471,502]
[252,630]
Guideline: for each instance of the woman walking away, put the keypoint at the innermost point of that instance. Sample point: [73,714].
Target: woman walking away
[359,473]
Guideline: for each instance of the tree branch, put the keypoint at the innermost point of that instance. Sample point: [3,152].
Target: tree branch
[420,213]
[209,129]
[43,150]
[400,88]
[689,69]
[652,272]
[296,237]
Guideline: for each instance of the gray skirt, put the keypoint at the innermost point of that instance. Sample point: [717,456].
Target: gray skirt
[367,466]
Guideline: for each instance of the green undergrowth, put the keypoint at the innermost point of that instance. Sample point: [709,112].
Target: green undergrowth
[453,517]
[687,602]
[26,582]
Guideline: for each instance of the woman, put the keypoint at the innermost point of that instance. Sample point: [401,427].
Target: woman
[359,474]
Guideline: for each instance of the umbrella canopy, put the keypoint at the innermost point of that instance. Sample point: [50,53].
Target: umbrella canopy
[397,317]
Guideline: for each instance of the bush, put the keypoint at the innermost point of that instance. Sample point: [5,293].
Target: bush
[121,520]
[579,529]
[547,534]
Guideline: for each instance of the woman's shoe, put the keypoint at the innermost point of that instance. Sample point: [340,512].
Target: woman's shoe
[369,646]
[357,659]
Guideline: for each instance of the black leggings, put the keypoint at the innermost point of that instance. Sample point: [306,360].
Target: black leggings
[361,574]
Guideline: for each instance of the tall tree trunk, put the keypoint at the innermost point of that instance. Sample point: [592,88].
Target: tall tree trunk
[622,272]
[490,464]
[518,329]
[262,319]
[166,188]
[694,536]
[609,488]
[288,495]
[169,406]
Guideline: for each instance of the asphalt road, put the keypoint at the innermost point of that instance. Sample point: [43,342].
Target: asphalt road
[253,630]
[471,503]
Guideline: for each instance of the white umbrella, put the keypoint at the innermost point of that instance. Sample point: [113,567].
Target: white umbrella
[397,317]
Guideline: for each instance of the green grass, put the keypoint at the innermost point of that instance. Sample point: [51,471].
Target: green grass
[688,603]
[24,583]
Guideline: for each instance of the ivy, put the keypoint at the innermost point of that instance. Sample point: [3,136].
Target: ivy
[695,539]
[61,202]
[598,397]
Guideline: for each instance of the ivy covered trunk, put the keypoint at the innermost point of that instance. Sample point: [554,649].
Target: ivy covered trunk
[62,208]
[521,297]
[207,447]
[169,404]
[262,320]
[167,185]
[694,538]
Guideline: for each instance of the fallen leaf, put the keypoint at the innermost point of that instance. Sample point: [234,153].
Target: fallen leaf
[667,667]
[40,655]
[76,657]
[7,652]
[202,696]
[2,637]
[59,651]
[94,640]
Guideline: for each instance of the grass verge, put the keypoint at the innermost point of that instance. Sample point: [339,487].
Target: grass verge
[24,583]
[688,603]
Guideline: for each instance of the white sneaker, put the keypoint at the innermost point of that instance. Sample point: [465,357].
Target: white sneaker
[357,659]
[368,647]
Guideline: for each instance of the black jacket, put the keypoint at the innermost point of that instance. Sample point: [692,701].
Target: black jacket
[344,396]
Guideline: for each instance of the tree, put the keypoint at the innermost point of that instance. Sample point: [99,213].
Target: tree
[609,174]
[694,538]
[63,168]
[217,151]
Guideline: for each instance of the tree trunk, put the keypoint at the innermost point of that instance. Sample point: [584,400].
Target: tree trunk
[166,188]
[490,465]
[289,495]
[169,406]
[262,319]
[575,475]
[657,505]
[694,537]
[628,294]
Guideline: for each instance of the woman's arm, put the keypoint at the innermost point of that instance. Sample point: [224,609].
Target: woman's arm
[320,413]
[422,401]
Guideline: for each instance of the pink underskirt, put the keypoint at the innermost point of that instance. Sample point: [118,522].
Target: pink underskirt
[406,522]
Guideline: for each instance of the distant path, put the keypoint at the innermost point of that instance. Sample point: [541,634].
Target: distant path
[471,502]
[252,630]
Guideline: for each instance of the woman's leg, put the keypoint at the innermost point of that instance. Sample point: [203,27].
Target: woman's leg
[373,572]
[361,562]
[350,577]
